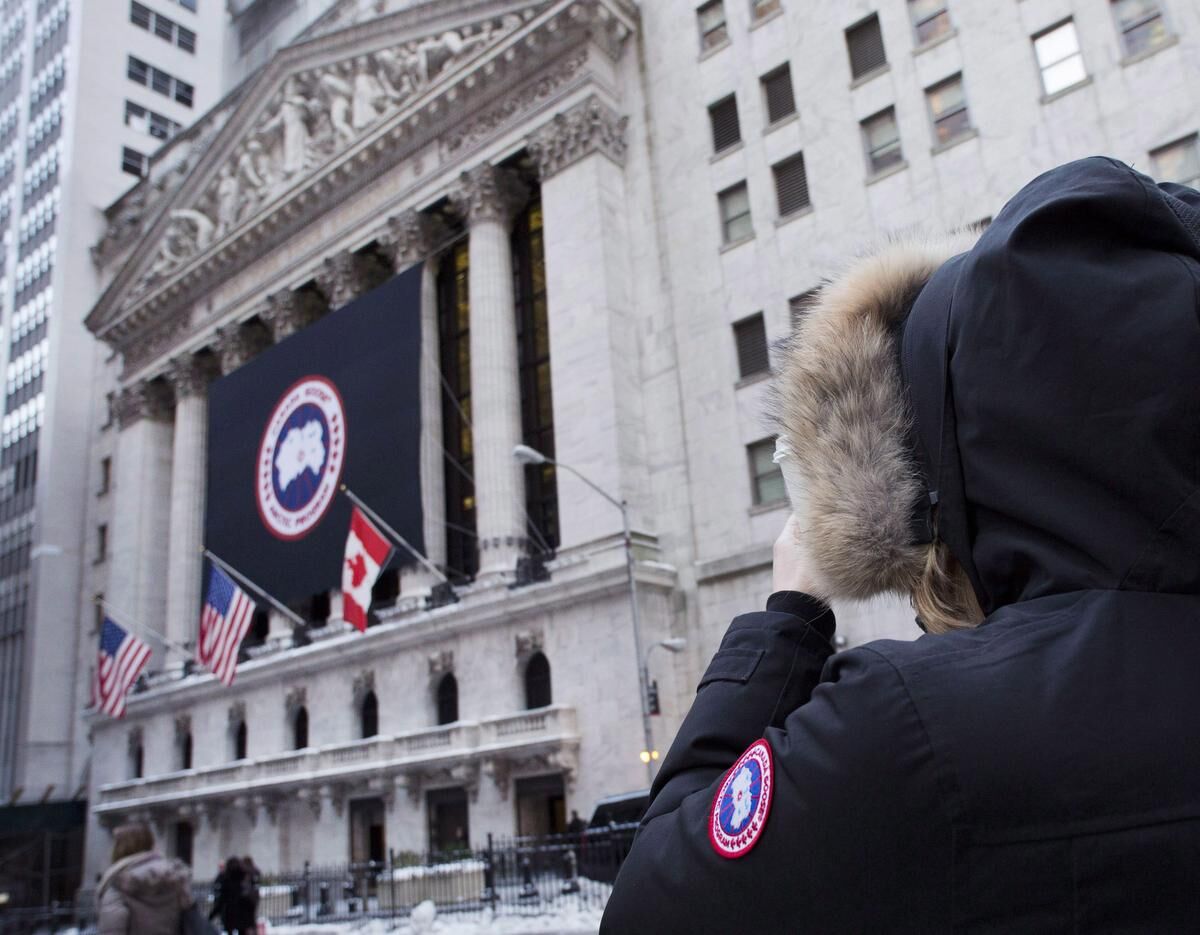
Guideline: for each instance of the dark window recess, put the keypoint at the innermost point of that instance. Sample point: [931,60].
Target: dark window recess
[765,475]
[139,761]
[300,729]
[930,19]
[185,751]
[370,715]
[751,337]
[384,593]
[454,324]
[1141,24]
[798,306]
[865,44]
[101,542]
[138,71]
[537,682]
[184,93]
[185,39]
[183,842]
[881,137]
[726,131]
[447,699]
[777,88]
[239,741]
[133,162]
[533,361]
[140,16]
[105,475]
[791,185]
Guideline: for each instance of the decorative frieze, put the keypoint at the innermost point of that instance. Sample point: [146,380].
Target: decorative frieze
[591,126]
[146,399]
[487,193]
[413,236]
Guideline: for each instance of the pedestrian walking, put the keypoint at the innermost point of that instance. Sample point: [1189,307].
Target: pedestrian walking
[142,892]
[253,878]
[1006,429]
[233,899]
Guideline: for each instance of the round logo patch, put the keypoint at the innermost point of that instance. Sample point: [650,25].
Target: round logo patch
[300,458]
[739,811]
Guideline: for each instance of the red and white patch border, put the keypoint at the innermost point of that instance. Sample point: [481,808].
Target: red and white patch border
[738,845]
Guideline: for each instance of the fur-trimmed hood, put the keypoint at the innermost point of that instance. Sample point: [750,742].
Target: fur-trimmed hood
[1039,386]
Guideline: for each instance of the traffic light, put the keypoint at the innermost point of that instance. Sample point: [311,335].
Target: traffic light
[652,698]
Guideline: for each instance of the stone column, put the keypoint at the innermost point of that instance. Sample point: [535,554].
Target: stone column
[139,534]
[413,237]
[189,377]
[488,198]
[598,424]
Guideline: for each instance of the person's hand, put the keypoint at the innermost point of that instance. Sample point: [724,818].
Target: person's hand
[793,569]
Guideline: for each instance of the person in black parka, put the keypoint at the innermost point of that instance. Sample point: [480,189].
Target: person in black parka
[1008,431]
[233,899]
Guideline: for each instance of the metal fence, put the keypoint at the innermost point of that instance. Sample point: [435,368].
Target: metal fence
[506,876]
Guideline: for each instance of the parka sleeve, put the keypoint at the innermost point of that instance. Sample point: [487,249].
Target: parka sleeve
[853,791]
[113,915]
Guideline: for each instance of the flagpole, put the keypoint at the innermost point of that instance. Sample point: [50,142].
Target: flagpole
[170,644]
[357,501]
[286,611]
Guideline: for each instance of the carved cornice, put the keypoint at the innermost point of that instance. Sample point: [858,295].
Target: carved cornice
[145,399]
[237,344]
[413,236]
[286,312]
[190,375]
[591,126]
[487,193]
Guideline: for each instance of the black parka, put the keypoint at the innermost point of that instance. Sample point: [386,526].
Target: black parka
[1040,773]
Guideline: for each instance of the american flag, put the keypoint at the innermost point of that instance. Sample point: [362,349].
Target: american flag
[122,658]
[224,622]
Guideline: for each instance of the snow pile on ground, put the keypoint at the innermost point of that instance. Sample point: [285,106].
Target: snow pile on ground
[564,922]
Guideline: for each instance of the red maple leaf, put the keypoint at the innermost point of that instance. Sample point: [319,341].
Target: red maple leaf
[358,569]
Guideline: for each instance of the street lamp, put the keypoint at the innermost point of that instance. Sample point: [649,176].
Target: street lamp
[526,455]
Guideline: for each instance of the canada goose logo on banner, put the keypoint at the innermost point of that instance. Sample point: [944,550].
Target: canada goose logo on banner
[300,458]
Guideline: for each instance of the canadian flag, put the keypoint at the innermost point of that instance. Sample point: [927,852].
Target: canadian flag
[367,551]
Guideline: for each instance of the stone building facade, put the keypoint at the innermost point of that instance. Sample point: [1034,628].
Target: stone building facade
[673,180]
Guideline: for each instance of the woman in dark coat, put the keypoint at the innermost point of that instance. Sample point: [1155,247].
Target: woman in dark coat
[1009,432]
[233,899]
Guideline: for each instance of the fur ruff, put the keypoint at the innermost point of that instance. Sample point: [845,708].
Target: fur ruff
[840,403]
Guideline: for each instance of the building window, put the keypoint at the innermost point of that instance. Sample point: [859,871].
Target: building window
[1141,25]
[723,117]
[110,408]
[1178,161]
[761,9]
[1059,58]
[101,542]
[447,699]
[183,842]
[735,214]
[158,80]
[533,363]
[185,750]
[930,19]
[369,715]
[711,18]
[864,41]
[791,185]
[163,27]
[881,139]
[187,4]
[133,162]
[777,91]
[105,475]
[765,476]
[800,305]
[239,741]
[137,759]
[147,121]
[537,682]
[300,728]
[948,110]
[454,324]
[750,335]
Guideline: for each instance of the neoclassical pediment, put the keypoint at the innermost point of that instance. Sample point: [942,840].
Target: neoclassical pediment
[329,112]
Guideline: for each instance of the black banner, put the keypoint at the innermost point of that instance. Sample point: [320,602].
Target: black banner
[336,403]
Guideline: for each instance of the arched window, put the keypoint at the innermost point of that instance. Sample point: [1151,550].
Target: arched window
[185,751]
[537,682]
[370,715]
[138,761]
[300,729]
[447,699]
[239,741]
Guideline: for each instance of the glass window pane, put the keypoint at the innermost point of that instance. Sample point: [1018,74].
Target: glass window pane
[771,488]
[945,97]
[1056,45]
[1146,36]
[735,201]
[1133,11]
[160,81]
[952,125]
[711,16]
[1179,162]
[738,228]
[1064,74]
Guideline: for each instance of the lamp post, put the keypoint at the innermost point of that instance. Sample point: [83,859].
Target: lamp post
[527,455]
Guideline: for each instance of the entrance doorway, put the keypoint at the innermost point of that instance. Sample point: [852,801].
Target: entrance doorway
[448,827]
[367,842]
[541,805]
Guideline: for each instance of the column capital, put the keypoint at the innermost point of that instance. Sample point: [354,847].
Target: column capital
[412,236]
[189,375]
[340,278]
[286,312]
[236,345]
[145,399]
[486,193]
[591,126]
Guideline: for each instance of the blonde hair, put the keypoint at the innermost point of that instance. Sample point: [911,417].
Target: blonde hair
[132,838]
[943,596]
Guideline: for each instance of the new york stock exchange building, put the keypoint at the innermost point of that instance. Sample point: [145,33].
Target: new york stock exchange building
[461,220]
